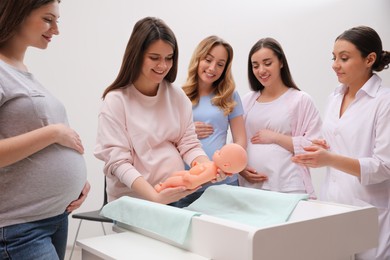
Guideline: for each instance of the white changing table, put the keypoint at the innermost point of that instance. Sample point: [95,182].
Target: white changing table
[315,230]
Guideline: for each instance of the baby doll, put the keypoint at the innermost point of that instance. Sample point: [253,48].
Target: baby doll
[231,158]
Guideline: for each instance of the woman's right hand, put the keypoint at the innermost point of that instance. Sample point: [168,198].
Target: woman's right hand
[322,143]
[146,191]
[252,176]
[68,137]
[203,130]
[170,195]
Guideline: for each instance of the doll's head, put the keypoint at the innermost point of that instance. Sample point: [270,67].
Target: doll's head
[231,158]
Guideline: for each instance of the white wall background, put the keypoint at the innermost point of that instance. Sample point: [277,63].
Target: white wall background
[85,58]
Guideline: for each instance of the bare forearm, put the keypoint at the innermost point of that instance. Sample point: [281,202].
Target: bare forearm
[240,139]
[345,164]
[166,196]
[16,148]
[237,127]
[284,141]
[241,142]
[144,189]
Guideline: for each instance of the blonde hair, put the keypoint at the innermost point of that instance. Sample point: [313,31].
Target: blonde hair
[224,87]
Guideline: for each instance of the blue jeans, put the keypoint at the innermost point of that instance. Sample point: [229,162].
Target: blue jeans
[42,239]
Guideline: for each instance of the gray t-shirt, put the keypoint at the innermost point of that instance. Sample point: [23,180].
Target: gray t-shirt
[43,184]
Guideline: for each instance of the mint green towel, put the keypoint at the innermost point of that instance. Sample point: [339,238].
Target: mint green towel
[167,221]
[249,206]
[253,207]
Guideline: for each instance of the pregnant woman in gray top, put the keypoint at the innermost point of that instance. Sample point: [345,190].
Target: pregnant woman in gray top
[42,169]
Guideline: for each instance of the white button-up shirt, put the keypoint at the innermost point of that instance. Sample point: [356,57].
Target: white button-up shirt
[362,132]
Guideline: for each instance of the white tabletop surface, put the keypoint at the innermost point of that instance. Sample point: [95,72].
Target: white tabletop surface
[131,245]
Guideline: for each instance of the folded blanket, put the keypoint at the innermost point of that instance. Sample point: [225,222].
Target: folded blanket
[249,206]
[167,221]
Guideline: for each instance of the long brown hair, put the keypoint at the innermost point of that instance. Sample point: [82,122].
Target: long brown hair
[367,40]
[12,14]
[145,32]
[285,73]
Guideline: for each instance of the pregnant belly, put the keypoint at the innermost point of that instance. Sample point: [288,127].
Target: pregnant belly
[70,174]
[268,158]
[57,174]
[43,184]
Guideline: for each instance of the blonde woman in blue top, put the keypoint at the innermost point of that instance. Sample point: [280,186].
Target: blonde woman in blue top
[216,105]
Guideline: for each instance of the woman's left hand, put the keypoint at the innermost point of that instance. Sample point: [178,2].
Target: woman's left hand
[315,156]
[77,203]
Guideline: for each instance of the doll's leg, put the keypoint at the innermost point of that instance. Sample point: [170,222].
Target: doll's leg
[171,182]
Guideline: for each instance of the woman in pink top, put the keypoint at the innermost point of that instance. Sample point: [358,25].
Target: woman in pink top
[357,132]
[145,124]
[279,120]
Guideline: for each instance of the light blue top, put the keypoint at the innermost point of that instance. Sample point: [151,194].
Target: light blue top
[208,113]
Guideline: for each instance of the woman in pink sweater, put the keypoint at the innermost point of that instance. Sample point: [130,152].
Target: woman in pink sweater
[145,126]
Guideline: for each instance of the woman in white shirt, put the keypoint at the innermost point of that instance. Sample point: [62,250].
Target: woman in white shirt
[356,131]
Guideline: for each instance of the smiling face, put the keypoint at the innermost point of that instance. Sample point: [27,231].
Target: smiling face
[351,68]
[266,67]
[212,66]
[40,26]
[158,60]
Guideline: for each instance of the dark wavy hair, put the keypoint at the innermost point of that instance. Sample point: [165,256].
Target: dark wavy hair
[145,32]
[367,41]
[275,46]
